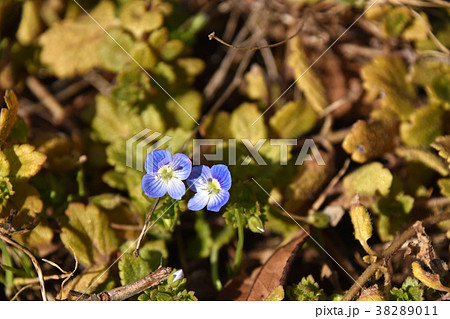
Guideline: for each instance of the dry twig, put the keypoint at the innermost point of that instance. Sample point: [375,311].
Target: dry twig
[127,291]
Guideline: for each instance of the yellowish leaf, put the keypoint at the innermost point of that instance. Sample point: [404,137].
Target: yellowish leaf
[241,122]
[88,233]
[442,145]
[425,157]
[428,279]
[362,224]
[423,126]
[308,81]
[368,180]
[370,139]
[138,18]
[8,115]
[293,120]
[69,47]
[277,294]
[24,161]
[390,75]
[30,24]
[255,83]
[308,181]
[86,282]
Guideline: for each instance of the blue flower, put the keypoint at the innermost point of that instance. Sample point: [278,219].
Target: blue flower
[165,174]
[211,185]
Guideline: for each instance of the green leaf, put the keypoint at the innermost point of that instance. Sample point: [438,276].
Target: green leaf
[166,72]
[69,46]
[396,20]
[169,291]
[171,50]
[411,290]
[114,180]
[368,180]
[167,214]
[8,115]
[241,122]
[293,120]
[112,123]
[143,55]
[441,88]
[218,126]
[6,191]
[151,255]
[423,126]
[387,226]
[132,89]
[401,205]
[88,233]
[424,156]
[200,246]
[158,38]
[24,161]
[306,290]
[190,110]
[392,214]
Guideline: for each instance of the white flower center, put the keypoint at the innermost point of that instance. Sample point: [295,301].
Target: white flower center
[212,186]
[166,173]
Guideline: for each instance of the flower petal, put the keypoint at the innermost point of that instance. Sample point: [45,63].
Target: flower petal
[152,187]
[156,159]
[176,188]
[182,166]
[218,200]
[198,201]
[199,175]
[223,175]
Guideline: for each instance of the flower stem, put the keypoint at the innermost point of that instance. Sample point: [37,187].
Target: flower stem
[145,227]
[240,244]
[214,260]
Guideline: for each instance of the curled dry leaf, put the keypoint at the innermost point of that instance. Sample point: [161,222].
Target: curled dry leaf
[428,279]
[426,251]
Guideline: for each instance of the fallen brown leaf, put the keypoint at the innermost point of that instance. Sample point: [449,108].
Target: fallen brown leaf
[274,272]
